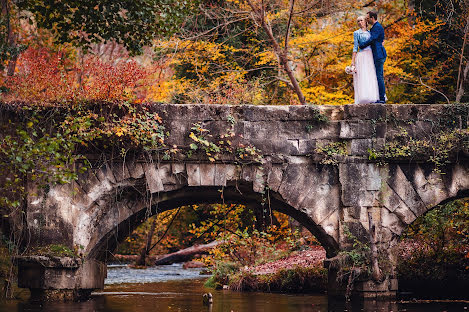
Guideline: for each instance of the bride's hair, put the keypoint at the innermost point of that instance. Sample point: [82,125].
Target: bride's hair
[362,17]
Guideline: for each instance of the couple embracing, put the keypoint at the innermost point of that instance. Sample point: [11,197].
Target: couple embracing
[368,59]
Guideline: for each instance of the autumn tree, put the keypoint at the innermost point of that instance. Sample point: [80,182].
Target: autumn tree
[450,52]
[131,23]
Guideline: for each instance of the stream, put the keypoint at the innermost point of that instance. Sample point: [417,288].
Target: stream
[172,288]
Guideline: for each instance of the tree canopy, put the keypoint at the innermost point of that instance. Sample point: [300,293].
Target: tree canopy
[133,23]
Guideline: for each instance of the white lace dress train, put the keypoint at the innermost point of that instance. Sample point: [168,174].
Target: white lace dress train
[365,83]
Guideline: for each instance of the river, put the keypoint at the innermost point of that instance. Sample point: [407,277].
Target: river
[172,288]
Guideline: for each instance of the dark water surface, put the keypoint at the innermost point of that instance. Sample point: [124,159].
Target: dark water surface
[171,288]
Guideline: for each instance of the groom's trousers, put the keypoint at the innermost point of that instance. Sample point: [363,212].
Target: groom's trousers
[380,76]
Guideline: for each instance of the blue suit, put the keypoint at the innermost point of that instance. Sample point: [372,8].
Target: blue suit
[379,55]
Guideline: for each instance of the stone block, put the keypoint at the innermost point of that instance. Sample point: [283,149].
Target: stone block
[263,145]
[353,213]
[306,147]
[331,225]
[360,147]
[421,129]
[428,185]
[364,111]
[104,173]
[265,112]
[88,180]
[373,178]
[402,112]
[358,230]
[120,172]
[357,129]
[379,143]
[371,286]
[286,147]
[275,176]
[400,184]
[392,202]
[306,112]
[178,168]
[193,174]
[224,173]
[135,170]
[321,199]
[295,184]
[179,132]
[356,179]
[333,112]
[166,174]
[457,179]
[261,130]
[306,129]
[430,112]
[392,222]
[153,179]
[260,180]
[207,174]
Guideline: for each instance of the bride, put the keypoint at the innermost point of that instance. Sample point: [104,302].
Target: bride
[365,83]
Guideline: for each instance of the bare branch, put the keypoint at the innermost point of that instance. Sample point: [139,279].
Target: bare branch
[425,85]
[287,34]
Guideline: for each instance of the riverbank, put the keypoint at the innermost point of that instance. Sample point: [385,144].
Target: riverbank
[299,272]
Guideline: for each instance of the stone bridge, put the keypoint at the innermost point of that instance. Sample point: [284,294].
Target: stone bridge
[322,173]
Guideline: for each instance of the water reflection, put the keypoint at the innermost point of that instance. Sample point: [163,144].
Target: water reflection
[178,294]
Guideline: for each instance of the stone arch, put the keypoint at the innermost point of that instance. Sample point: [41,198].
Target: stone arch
[411,190]
[205,195]
[113,199]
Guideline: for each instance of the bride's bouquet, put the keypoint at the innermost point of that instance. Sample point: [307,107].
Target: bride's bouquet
[350,69]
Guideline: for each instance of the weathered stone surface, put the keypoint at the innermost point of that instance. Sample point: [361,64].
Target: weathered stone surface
[275,177]
[399,183]
[365,111]
[105,204]
[152,176]
[429,187]
[392,202]
[356,129]
[360,192]
[360,146]
[135,170]
[166,174]
[392,222]
[224,173]
[207,174]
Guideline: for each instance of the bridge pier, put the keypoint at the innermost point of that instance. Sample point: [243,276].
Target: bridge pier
[60,278]
[346,281]
[362,288]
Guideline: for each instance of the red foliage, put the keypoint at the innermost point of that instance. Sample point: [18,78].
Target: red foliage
[43,75]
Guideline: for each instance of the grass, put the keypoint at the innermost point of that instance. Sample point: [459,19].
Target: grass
[295,280]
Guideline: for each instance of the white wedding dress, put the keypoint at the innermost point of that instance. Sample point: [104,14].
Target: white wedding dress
[365,83]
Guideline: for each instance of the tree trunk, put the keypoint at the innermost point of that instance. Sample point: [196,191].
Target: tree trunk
[282,54]
[186,254]
[462,74]
[10,38]
[146,250]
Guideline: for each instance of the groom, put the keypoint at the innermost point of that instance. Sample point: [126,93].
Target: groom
[379,53]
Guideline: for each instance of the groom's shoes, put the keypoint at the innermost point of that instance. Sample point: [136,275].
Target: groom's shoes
[380,102]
